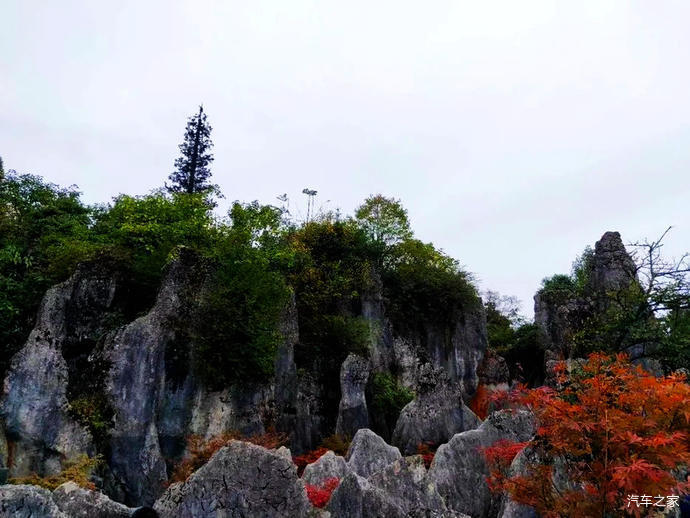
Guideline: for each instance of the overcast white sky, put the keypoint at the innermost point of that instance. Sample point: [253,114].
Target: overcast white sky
[515,133]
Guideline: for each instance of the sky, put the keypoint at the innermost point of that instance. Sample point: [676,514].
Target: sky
[515,133]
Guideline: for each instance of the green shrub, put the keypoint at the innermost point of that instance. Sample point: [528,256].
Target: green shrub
[388,397]
[423,285]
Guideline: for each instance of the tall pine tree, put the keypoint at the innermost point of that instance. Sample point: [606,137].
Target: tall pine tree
[192,168]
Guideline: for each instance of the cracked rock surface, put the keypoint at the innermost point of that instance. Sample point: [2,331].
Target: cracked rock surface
[240,480]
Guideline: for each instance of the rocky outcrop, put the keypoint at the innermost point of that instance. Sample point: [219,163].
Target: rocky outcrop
[77,502]
[135,383]
[612,267]
[435,415]
[369,453]
[72,317]
[400,490]
[561,314]
[329,465]
[28,502]
[459,469]
[494,372]
[241,479]
[352,411]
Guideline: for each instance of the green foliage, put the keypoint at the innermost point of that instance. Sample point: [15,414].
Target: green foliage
[582,270]
[142,231]
[422,284]
[93,411]
[43,234]
[333,267]
[558,287]
[384,220]
[388,398]
[235,332]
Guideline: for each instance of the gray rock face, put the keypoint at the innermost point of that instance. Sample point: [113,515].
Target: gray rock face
[329,465]
[435,415]
[240,480]
[459,469]
[356,497]
[493,371]
[77,502]
[404,484]
[399,490]
[509,508]
[369,453]
[560,316]
[136,381]
[28,502]
[69,321]
[613,269]
[352,412]
[4,450]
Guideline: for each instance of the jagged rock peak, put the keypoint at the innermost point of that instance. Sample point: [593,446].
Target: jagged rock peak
[612,269]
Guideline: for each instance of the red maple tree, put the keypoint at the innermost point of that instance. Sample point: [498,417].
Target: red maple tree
[608,430]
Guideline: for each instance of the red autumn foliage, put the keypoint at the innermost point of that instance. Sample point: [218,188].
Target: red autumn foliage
[479,404]
[320,495]
[200,451]
[427,450]
[301,461]
[610,430]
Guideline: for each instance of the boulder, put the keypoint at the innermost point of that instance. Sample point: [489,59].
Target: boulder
[28,502]
[435,415]
[356,497]
[400,490]
[77,502]
[241,479]
[404,485]
[459,469]
[352,411]
[329,465]
[369,453]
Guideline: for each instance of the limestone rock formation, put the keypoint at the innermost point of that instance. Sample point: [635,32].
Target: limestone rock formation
[369,453]
[459,468]
[352,412]
[241,479]
[613,269]
[561,315]
[77,502]
[135,383]
[329,465]
[400,490]
[435,415]
[28,502]
[70,321]
[493,372]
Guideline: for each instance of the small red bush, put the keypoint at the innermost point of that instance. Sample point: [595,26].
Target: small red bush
[319,496]
[427,450]
[301,461]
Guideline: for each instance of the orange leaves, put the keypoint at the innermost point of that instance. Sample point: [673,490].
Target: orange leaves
[608,429]
[479,404]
